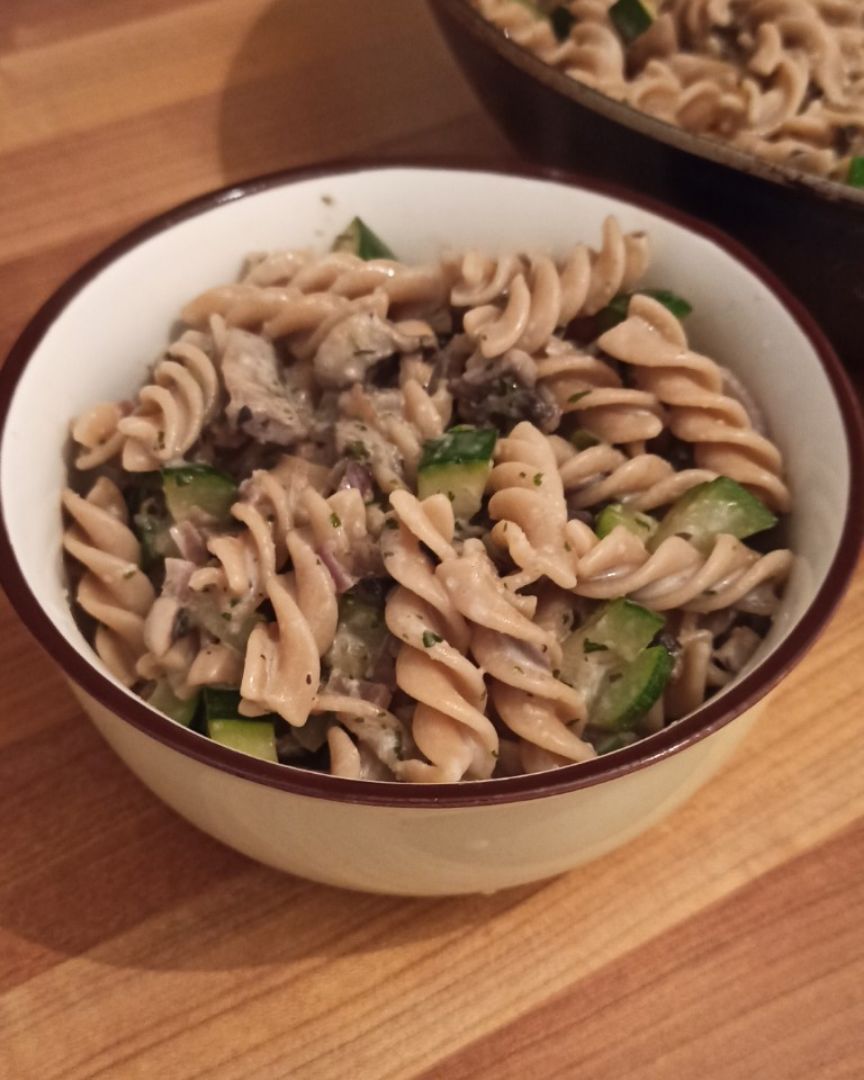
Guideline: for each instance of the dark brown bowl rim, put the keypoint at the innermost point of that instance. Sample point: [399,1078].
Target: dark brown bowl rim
[703,146]
[684,733]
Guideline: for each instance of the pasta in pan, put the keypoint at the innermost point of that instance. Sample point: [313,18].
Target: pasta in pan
[782,79]
[429,524]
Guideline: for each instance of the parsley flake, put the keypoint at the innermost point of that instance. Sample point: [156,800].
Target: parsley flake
[577,396]
[593,646]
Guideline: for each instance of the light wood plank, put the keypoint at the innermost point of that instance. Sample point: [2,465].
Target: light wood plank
[726,942]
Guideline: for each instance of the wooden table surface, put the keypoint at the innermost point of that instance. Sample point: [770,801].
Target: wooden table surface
[727,943]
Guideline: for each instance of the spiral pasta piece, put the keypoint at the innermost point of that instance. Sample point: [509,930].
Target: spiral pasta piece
[282,668]
[676,575]
[404,419]
[518,655]
[528,505]
[652,341]
[778,78]
[585,385]
[542,295]
[188,664]
[95,431]
[449,724]
[173,409]
[602,473]
[113,589]
[275,281]
[522,25]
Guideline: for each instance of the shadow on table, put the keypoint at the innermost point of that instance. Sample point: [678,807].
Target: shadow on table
[94,864]
[314,82]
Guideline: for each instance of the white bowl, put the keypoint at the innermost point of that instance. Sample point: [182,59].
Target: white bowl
[94,339]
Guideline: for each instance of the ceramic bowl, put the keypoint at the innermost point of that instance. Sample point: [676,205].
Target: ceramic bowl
[808,229]
[94,339]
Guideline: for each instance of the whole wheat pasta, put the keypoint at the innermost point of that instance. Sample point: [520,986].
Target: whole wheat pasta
[430,524]
[782,79]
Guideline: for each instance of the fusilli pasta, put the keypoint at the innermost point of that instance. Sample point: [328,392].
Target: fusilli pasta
[432,524]
[782,79]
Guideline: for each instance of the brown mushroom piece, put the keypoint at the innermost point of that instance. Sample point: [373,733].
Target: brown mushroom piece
[357,343]
[268,401]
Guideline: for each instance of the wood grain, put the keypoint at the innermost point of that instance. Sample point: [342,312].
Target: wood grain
[727,943]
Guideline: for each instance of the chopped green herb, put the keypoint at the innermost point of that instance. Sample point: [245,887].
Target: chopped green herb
[357,450]
[430,639]
[335,520]
[130,573]
[594,646]
[583,440]
[538,479]
[577,396]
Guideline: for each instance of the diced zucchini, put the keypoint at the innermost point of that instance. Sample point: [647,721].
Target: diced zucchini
[631,18]
[152,526]
[361,610]
[198,492]
[627,695]
[855,176]
[358,239]
[221,703]
[622,627]
[166,701]
[610,517]
[616,310]
[458,464]
[559,16]
[361,635]
[230,625]
[600,650]
[254,737]
[718,506]
[225,725]
[615,740]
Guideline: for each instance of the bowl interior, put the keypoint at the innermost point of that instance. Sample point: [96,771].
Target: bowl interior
[100,344]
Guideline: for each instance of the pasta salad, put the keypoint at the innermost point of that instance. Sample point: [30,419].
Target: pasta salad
[432,523]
